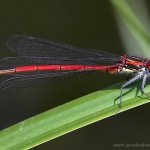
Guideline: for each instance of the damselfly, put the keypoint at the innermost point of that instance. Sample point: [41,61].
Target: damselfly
[42,60]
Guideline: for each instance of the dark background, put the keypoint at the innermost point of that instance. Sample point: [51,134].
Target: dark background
[88,24]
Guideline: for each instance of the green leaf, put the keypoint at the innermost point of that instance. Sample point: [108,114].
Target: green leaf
[134,25]
[69,117]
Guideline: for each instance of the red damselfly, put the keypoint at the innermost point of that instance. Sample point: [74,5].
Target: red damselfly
[41,60]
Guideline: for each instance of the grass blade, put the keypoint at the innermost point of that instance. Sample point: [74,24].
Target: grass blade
[68,117]
[134,25]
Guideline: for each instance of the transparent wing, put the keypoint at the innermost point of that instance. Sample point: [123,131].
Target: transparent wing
[12,62]
[33,46]
[31,80]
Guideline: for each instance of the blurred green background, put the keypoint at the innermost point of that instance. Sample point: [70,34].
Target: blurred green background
[88,24]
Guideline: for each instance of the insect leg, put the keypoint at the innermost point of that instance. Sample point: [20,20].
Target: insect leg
[138,76]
